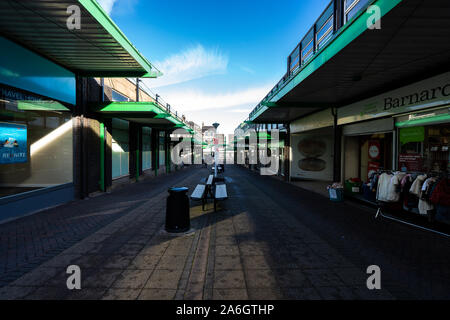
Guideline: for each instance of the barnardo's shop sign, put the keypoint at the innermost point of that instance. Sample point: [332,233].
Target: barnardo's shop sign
[428,93]
[13,143]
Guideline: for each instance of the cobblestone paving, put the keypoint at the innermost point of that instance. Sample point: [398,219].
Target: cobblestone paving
[254,247]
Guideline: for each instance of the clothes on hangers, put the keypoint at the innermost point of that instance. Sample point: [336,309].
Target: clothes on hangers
[424,204]
[441,198]
[410,201]
[417,185]
[389,186]
[441,193]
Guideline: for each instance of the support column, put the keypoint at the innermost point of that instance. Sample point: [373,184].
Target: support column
[192,151]
[337,147]
[80,160]
[287,154]
[108,153]
[167,150]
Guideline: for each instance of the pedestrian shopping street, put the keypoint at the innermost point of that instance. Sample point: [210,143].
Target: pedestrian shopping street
[269,240]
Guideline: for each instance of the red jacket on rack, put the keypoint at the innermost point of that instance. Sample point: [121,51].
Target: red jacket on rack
[441,194]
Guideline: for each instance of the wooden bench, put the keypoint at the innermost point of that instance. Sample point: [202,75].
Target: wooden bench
[200,194]
[209,184]
[220,194]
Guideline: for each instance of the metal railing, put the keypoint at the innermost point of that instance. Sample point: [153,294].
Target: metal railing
[161,103]
[332,19]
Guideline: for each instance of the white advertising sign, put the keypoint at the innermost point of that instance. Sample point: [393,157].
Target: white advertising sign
[312,156]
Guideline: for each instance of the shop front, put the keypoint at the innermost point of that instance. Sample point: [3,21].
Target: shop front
[54,146]
[396,151]
[367,149]
[36,132]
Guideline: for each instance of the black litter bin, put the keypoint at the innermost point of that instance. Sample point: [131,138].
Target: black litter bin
[177,210]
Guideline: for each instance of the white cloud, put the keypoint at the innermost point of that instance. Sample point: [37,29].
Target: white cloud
[107,5]
[227,108]
[189,100]
[192,63]
[241,110]
[247,69]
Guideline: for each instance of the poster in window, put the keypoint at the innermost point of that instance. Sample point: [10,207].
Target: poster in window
[13,143]
[372,167]
[374,149]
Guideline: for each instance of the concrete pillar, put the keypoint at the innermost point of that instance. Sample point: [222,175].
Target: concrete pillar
[287,154]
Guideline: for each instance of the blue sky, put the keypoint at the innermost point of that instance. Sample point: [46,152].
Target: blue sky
[219,57]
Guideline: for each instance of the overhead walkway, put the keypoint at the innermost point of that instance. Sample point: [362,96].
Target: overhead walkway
[340,60]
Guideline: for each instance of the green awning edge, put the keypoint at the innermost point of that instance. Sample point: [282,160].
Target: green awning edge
[41,106]
[105,21]
[417,122]
[128,106]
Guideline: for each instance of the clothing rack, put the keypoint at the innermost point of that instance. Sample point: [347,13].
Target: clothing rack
[380,213]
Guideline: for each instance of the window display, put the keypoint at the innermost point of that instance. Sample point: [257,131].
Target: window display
[424,148]
[36,148]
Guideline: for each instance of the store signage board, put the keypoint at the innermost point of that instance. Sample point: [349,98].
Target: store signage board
[13,143]
[428,93]
[412,134]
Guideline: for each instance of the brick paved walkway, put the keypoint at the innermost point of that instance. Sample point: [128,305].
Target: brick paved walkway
[269,240]
[28,242]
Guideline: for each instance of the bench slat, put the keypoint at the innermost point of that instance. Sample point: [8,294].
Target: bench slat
[210,179]
[198,192]
[221,191]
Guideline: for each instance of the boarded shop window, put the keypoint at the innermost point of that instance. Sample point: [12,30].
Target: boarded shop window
[146,148]
[120,148]
[162,153]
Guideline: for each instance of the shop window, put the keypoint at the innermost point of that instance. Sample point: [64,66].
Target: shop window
[365,155]
[120,148]
[424,148]
[36,148]
[162,153]
[146,148]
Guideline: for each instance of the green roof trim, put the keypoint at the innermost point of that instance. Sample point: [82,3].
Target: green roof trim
[130,107]
[41,106]
[416,122]
[264,135]
[258,113]
[175,121]
[105,21]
